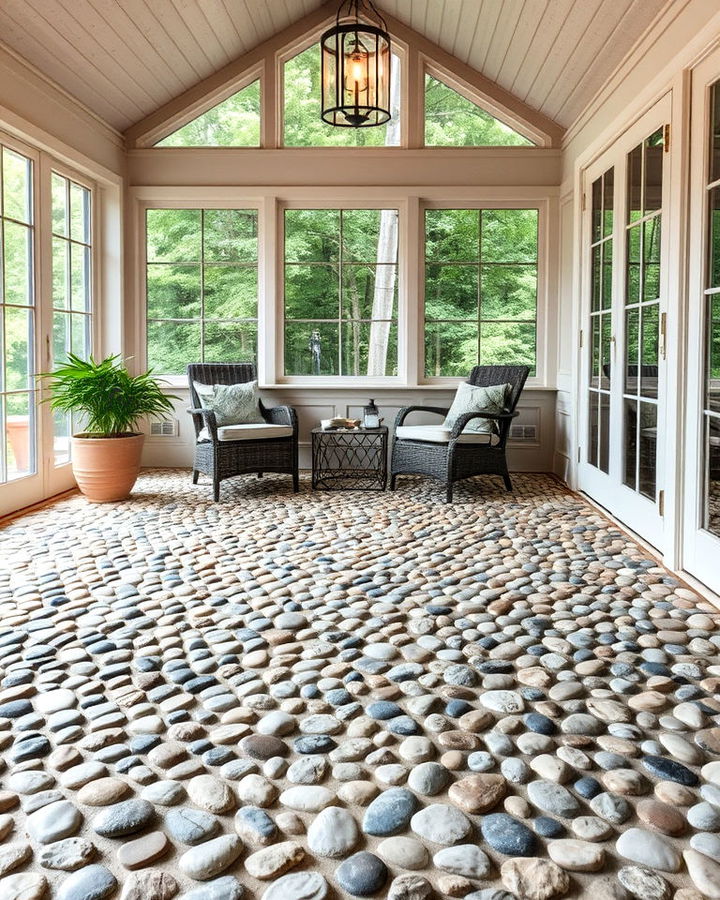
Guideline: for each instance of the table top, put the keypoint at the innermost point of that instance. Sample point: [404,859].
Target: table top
[382,429]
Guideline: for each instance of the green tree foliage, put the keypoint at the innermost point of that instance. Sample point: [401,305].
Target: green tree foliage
[201,287]
[480,288]
[233,123]
[331,266]
[303,126]
[452,120]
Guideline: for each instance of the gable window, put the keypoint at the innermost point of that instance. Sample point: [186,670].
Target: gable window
[302,125]
[233,123]
[452,120]
[202,286]
[341,292]
[480,289]
[72,288]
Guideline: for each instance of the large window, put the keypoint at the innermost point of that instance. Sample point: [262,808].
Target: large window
[480,289]
[303,126]
[202,283]
[233,123]
[341,291]
[72,287]
[17,307]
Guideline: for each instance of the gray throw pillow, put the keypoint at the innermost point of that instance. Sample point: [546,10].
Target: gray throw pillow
[469,398]
[233,404]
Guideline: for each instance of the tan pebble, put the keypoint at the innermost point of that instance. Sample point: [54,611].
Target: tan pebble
[453,760]
[478,793]
[674,794]
[103,792]
[517,806]
[290,823]
[143,851]
[453,885]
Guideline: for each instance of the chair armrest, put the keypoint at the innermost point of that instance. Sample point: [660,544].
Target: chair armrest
[462,420]
[406,410]
[281,415]
[208,417]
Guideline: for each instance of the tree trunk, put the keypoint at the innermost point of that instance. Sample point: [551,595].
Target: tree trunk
[385,275]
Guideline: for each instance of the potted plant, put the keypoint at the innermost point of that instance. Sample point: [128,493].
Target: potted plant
[111,403]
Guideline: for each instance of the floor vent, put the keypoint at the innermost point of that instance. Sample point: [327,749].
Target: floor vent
[523,433]
[165,428]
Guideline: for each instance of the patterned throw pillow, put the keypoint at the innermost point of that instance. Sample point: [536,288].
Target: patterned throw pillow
[470,398]
[233,404]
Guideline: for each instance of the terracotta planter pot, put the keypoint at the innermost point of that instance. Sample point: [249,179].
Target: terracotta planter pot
[106,468]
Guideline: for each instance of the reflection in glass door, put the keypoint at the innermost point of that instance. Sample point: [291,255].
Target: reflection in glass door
[601,282]
[642,315]
[711,406]
[17,307]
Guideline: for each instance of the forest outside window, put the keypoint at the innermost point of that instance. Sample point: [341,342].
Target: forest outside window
[233,123]
[302,125]
[341,292]
[202,287]
[481,280]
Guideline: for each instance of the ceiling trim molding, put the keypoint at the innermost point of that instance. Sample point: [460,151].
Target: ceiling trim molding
[262,61]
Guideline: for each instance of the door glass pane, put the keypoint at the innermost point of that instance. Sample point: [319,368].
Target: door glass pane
[715,133]
[634,198]
[651,259]
[597,210]
[17,186]
[607,271]
[713,354]
[605,373]
[652,189]
[630,425]
[712,455]
[604,461]
[647,449]
[593,428]
[595,355]
[714,238]
[608,202]
[632,343]
[650,348]
[634,245]
[19,435]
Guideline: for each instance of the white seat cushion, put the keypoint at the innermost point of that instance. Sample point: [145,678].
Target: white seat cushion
[248,432]
[438,434]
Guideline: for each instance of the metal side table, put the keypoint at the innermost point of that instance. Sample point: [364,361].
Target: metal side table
[349,459]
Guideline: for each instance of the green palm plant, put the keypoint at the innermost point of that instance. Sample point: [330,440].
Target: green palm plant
[110,400]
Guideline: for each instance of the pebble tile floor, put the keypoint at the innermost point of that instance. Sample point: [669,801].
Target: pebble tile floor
[293,697]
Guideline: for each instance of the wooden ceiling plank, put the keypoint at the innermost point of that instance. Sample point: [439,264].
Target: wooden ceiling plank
[466,34]
[173,23]
[554,14]
[129,30]
[585,54]
[637,19]
[49,55]
[521,42]
[221,22]
[549,74]
[503,38]
[66,19]
[487,33]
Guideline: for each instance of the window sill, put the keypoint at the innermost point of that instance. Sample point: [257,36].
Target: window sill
[175,383]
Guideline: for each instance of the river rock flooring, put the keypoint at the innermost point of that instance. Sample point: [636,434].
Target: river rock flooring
[293,697]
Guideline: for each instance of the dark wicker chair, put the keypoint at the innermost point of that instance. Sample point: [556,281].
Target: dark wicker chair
[454,460]
[226,458]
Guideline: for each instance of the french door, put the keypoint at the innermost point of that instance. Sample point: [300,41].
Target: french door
[622,401]
[701,550]
[46,295]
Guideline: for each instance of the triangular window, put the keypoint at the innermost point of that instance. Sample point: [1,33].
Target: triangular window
[302,125]
[233,123]
[452,120]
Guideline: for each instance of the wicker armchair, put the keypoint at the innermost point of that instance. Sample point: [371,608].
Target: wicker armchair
[450,455]
[238,449]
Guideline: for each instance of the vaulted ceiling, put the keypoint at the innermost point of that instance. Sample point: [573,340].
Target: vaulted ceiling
[125,58]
